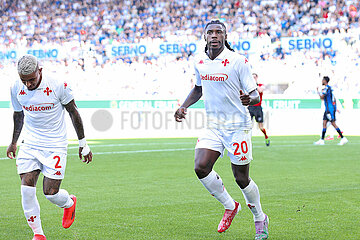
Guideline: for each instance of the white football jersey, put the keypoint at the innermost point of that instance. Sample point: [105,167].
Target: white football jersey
[44,126]
[221,80]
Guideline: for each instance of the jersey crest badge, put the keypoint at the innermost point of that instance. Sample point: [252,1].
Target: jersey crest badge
[22,92]
[225,62]
[65,85]
[246,60]
[201,62]
[47,91]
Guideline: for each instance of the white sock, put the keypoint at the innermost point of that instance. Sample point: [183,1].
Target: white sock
[61,199]
[215,186]
[252,197]
[31,208]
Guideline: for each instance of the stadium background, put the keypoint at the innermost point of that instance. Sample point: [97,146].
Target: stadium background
[131,57]
[115,52]
[130,65]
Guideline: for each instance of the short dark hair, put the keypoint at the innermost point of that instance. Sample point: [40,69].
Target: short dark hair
[222,24]
[326,78]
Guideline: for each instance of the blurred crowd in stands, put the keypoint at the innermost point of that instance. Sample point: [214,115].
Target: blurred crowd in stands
[94,24]
[41,21]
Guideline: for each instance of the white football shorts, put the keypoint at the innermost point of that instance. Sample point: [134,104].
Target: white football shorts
[51,164]
[238,144]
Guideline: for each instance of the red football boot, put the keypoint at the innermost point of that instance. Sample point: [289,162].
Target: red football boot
[39,237]
[69,214]
[227,218]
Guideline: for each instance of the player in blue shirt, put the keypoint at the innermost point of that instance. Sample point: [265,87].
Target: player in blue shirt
[330,110]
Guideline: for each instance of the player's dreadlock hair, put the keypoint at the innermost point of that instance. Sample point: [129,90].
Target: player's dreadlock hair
[327,79]
[222,24]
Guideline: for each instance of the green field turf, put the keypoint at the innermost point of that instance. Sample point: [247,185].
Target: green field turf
[147,189]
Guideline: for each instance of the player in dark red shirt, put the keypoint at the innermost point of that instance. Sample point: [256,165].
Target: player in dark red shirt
[256,110]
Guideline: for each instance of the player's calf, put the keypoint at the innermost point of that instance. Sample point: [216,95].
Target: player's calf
[31,209]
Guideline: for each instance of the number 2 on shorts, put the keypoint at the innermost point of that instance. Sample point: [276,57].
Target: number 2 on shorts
[58,161]
[244,148]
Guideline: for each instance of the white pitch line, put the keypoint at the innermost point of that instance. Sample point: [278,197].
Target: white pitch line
[132,144]
[181,149]
[301,145]
[142,151]
[135,151]
[173,143]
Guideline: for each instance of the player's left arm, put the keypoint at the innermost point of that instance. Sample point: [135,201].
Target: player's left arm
[84,149]
[251,98]
[321,94]
[249,94]
[260,88]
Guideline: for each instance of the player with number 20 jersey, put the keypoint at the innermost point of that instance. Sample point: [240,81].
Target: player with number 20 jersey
[227,74]
[224,79]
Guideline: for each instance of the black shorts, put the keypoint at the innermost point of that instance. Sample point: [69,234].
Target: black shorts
[329,116]
[256,111]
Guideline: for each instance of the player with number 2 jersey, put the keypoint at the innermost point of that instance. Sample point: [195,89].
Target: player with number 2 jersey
[39,104]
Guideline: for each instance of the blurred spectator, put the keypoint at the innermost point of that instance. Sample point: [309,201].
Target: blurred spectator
[84,28]
[99,21]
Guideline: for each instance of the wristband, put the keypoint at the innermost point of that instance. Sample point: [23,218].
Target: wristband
[86,150]
[82,142]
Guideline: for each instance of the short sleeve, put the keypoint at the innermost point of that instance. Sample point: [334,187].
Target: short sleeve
[245,75]
[324,91]
[66,93]
[14,101]
[197,75]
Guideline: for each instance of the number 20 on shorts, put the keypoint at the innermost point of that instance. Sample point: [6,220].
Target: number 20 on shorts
[244,148]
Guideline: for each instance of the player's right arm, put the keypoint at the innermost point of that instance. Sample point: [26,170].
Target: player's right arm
[18,124]
[18,118]
[194,96]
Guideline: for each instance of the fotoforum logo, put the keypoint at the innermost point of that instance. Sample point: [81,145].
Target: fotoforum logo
[39,107]
[218,77]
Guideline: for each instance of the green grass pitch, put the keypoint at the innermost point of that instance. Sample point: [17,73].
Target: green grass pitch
[147,189]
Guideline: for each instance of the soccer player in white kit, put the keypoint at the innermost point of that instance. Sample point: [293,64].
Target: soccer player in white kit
[225,80]
[39,104]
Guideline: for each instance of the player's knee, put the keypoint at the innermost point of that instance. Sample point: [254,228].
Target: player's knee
[50,191]
[201,171]
[28,182]
[242,180]
[29,179]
